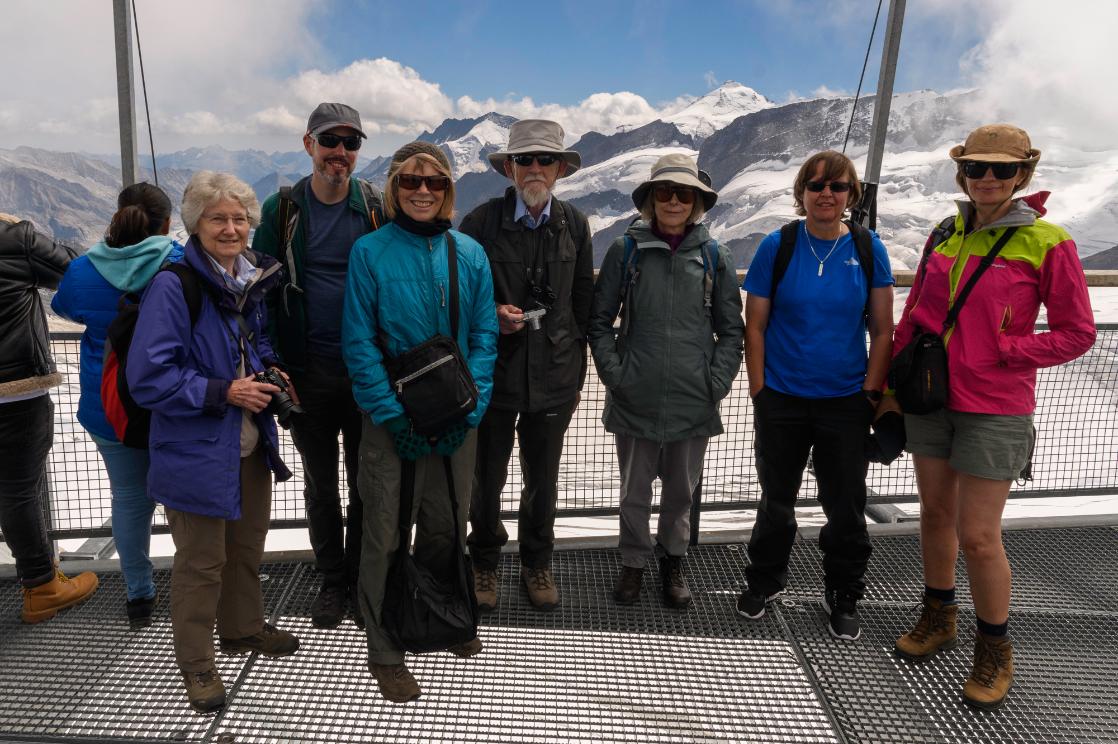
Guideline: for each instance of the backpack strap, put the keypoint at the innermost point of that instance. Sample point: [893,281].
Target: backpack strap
[709,249]
[285,226]
[863,244]
[629,274]
[373,203]
[788,235]
[940,235]
[191,288]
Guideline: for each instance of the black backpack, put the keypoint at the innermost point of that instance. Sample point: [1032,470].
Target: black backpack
[863,243]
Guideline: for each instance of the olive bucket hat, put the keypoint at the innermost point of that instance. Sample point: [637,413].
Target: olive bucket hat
[535,136]
[681,169]
[997,143]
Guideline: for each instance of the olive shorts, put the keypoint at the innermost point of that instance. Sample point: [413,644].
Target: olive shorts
[985,445]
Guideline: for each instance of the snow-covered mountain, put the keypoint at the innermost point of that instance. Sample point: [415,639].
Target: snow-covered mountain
[706,115]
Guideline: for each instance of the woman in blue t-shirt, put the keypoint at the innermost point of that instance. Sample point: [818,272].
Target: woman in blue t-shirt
[813,390]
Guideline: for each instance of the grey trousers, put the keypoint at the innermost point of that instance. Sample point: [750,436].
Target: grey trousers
[378,481]
[678,465]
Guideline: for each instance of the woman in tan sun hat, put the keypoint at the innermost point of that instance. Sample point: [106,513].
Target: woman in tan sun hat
[677,353]
[968,453]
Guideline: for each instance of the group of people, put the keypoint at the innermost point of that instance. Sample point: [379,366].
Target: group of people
[341,279]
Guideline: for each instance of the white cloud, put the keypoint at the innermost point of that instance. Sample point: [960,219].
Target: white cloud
[711,79]
[603,112]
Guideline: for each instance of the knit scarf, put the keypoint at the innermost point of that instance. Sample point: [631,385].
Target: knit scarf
[425,229]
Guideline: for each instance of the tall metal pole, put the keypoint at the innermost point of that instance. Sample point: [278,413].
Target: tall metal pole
[889,52]
[125,93]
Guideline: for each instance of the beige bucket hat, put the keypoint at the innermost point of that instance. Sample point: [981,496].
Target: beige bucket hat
[535,136]
[997,143]
[676,168]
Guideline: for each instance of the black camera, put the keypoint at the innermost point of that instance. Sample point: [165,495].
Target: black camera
[282,405]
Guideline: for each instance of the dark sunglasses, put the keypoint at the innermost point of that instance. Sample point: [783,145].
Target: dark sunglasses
[1002,171]
[411,182]
[544,160]
[837,187]
[330,141]
[685,194]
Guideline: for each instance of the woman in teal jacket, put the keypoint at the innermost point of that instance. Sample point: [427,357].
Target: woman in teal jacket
[398,286]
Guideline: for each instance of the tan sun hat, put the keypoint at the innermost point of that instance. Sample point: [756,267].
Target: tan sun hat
[997,143]
[676,168]
[535,136]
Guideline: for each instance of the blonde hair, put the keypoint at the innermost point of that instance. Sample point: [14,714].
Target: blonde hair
[391,191]
[209,187]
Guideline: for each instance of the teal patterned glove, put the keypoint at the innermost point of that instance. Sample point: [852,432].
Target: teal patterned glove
[451,439]
[409,445]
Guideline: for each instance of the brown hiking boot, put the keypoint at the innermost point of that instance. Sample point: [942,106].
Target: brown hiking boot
[204,690]
[673,584]
[466,650]
[44,601]
[485,588]
[270,641]
[934,631]
[396,683]
[992,676]
[542,592]
[628,588]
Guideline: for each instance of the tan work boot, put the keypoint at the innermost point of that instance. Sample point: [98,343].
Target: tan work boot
[485,588]
[992,675]
[542,592]
[204,690]
[466,650]
[270,641]
[44,601]
[934,631]
[396,683]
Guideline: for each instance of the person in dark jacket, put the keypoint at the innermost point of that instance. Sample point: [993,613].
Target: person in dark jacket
[213,441]
[675,357]
[326,213]
[30,260]
[543,281]
[135,247]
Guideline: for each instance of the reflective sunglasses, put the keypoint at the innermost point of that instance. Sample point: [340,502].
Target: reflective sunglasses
[837,187]
[1002,171]
[411,182]
[330,141]
[663,193]
[544,160]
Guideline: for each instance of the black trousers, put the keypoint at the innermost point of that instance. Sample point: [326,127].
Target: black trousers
[833,431]
[541,446]
[26,435]
[327,400]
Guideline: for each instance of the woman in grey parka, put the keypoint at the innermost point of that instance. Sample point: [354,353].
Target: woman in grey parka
[672,359]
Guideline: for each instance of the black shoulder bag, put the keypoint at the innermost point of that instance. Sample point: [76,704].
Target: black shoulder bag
[918,373]
[425,612]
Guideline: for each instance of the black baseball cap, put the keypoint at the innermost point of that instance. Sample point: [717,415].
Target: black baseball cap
[330,115]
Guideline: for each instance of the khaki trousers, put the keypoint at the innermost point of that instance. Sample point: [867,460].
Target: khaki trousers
[216,570]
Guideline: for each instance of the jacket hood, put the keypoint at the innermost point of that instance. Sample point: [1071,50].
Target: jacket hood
[129,268]
[641,232]
[1023,211]
[270,276]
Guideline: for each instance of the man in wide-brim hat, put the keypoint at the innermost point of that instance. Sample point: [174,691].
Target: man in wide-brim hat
[543,280]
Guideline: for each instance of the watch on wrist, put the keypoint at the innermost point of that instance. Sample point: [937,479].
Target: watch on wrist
[874,396]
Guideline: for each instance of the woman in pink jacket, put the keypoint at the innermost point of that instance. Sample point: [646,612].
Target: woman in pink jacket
[967,454]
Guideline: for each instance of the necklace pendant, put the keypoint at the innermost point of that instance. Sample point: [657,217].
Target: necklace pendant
[820,269]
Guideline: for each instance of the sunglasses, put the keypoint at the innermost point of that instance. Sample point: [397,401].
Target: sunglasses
[330,141]
[1002,171]
[837,187]
[544,160]
[411,182]
[664,194]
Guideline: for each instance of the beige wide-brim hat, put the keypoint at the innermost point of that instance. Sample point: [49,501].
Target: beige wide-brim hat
[676,168]
[536,136]
[997,143]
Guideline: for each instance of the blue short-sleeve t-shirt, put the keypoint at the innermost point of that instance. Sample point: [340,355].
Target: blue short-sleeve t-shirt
[815,342]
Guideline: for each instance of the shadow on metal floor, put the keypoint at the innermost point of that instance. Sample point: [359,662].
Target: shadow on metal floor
[593,671]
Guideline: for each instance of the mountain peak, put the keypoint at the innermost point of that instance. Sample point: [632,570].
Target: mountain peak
[705,115]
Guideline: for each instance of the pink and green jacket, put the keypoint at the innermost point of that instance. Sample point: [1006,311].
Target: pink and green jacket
[993,352]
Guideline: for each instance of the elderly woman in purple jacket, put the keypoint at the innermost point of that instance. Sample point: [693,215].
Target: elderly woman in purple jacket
[213,443]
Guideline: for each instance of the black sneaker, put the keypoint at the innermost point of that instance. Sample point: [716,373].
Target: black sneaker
[752,605]
[328,608]
[842,612]
[139,612]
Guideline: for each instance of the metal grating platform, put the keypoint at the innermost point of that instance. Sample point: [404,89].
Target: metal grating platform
[593,671]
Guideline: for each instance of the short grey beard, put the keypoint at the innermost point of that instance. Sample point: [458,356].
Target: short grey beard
[331,179]
[532,201]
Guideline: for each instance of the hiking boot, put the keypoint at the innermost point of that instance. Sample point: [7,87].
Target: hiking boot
[328,608]
[485,588]
[628,589]
[673,584]
[542,592]
[139,612]
[842,614]
[396,683]
[751,604]
[45,601]
[933,632]
[354,603]
[204,690]
[270,641]
[992,676]
[466,650]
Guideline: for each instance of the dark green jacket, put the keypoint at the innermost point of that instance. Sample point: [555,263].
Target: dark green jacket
[287,311]
[666,376]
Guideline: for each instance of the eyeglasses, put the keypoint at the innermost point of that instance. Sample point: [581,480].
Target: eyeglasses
[219,220]
[664,194]
[1002,171]
[837,187]
[411,182]
[544,160]
[330,141]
